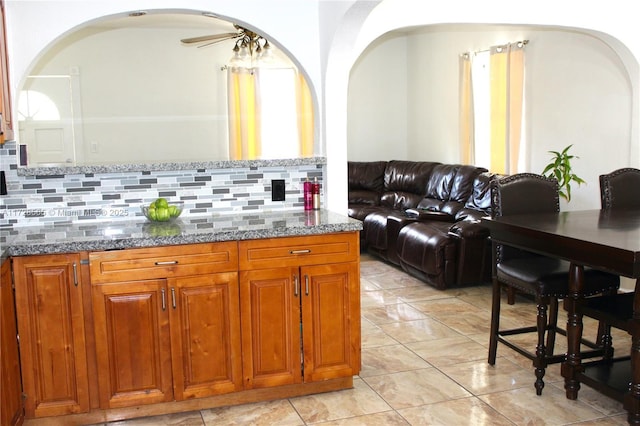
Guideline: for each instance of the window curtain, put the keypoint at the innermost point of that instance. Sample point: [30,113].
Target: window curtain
[505,108]
[305,117]
[245,99]
[506,88]
[244,113]
[467,140]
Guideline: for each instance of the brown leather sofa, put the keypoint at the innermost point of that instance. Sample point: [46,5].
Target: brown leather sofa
[425,218]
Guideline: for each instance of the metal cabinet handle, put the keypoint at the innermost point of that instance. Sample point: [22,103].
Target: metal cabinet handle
[305,251]
[295,285]
[173,297]
[168,262]
[75,274]
[164,302]
[306,285]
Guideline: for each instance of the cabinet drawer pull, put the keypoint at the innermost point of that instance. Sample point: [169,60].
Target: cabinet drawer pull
[75,274]
[305,251]
[173,297]
[168,262]
[306,285]
[164,302]
[295,285]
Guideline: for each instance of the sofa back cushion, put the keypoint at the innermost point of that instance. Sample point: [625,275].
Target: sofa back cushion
[405,183]
[479,203]
[450,187]
[407,176]
[366,175]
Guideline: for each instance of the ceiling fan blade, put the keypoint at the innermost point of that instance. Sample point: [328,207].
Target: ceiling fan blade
[214,42]
[211,37]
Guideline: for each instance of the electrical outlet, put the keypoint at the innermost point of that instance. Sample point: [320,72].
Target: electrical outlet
[277,190]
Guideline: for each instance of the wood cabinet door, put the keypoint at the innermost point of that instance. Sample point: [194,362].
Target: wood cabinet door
[11,411]
[52,337]
[205,335]
[132,343]
[330,296]
[270,312]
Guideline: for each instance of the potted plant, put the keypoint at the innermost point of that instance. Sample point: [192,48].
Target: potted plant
[560,168]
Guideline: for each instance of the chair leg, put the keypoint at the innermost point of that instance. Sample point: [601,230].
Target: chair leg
[495,321]
[604,338]
[511,295]
[552,326]
[540,361]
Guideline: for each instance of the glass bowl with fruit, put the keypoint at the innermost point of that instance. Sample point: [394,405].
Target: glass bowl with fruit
[162,210]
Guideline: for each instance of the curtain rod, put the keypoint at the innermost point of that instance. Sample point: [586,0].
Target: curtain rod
[520,43]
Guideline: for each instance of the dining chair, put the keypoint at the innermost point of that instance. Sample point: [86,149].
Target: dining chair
[619,189]
[544,279]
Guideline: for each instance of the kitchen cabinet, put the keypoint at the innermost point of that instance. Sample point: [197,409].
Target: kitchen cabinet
[167,323]
[301,319]
[50,317]
[11,411]
[115,334]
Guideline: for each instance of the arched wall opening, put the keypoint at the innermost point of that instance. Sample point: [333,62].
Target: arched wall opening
[385,16]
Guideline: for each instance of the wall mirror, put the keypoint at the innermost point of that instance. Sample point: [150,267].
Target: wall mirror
[128,90]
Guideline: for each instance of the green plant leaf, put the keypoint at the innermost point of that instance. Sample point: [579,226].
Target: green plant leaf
[560,168]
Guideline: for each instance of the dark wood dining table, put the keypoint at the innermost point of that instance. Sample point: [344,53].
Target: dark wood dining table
[604,239]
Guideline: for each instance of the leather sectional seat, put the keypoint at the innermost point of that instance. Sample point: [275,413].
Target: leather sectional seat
[425,218]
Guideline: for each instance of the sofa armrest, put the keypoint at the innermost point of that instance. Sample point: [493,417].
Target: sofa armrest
[425,215]
[469,229]
[474,251]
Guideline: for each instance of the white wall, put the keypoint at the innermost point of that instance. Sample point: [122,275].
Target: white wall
[377,109]
[577,93]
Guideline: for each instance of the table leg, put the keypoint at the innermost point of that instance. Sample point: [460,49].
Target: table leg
[632,399]
[571,366]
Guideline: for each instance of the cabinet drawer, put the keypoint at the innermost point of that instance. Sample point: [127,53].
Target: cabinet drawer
[299,251]
[163,262]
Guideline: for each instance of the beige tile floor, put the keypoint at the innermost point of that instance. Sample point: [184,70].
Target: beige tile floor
[424,362]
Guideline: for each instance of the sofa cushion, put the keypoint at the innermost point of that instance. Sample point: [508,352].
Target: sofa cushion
[464,183]
[407,176]
[363,196]
[427,247]
[480,198]
[449,187]
[400,200]
[366,175]
[441,180]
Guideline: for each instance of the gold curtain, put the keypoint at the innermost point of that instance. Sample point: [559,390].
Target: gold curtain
[467,145]
[244,114]
[506,88]
[305,117]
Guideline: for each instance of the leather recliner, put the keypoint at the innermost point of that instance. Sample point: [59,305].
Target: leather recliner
[424,218]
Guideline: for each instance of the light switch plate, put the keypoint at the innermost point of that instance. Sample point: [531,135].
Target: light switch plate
[277,190]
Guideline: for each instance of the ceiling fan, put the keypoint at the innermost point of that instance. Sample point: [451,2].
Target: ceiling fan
[243,35]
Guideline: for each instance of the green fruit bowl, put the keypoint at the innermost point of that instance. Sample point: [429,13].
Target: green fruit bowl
[163,213]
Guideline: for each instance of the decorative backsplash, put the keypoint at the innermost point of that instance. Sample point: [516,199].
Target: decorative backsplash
[225,187]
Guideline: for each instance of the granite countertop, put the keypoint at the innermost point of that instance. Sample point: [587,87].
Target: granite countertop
[92,236]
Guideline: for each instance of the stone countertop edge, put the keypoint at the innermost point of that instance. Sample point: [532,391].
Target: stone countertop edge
[197,230]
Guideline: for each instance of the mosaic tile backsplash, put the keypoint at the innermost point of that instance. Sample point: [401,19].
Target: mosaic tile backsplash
[118,195]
